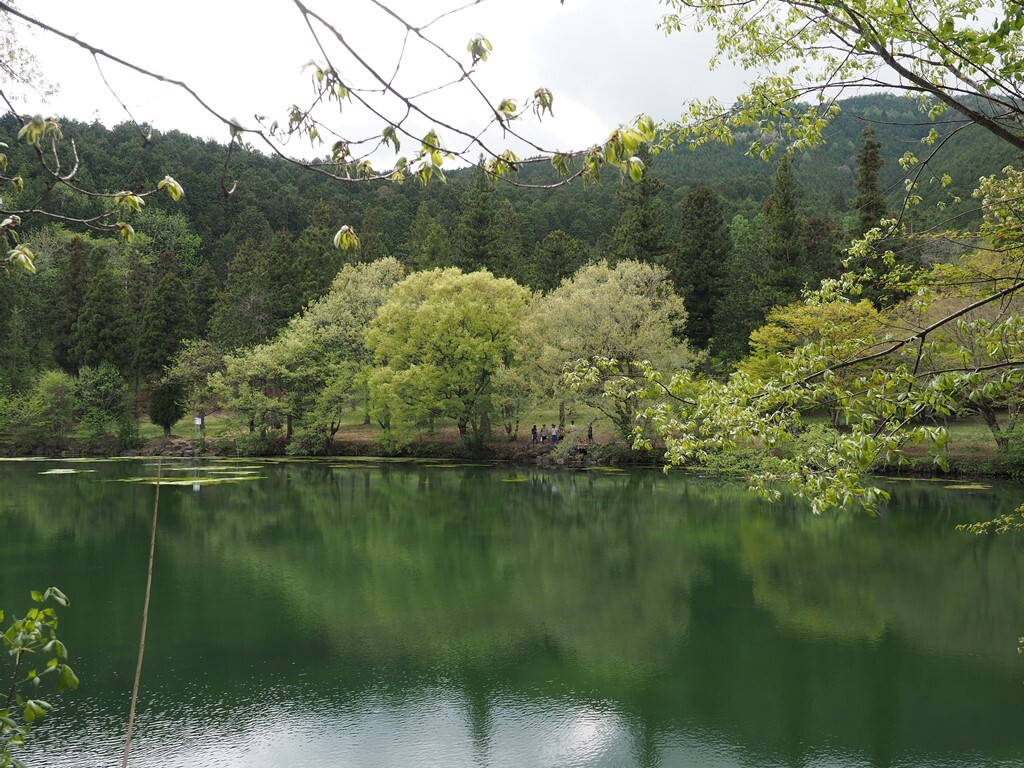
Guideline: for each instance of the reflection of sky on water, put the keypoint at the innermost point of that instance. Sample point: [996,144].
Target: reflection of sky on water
[433,728]
[430,729]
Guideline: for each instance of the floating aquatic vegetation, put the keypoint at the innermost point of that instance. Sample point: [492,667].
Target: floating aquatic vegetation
[191,481]
[66,471]
[967,487]
[459,466]
[216,470]
[362,462]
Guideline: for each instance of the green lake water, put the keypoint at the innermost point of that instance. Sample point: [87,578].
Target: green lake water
[372,614]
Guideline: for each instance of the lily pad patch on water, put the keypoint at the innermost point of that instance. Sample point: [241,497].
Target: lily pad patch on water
[191,481]
[217,470]
[66,471]
[967,487]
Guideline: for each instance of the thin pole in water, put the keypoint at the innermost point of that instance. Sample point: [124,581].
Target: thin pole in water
[145,621]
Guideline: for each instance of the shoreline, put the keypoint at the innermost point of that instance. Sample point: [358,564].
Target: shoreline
[569,454]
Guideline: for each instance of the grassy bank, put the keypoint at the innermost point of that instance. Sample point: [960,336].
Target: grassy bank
[971,451]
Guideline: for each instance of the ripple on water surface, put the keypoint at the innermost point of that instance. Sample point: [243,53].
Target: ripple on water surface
[437,726]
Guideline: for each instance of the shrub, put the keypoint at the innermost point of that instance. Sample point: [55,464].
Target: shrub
[40,419]
[1012,457]
[102,398]
[166,405]
[309,441]
[256,444]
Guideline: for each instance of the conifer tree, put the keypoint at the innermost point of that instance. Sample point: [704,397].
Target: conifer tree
[371,237]
[315,260]
[697,261]
[738,312]
[74,268]
[17,368]
[474,236]
[103,332]
[427,244]
[201,294]
[164,322]
[167,405]
[508,250]
[243,314]
[640,234]
[869,202]
[871,208]
[784,263]
[555,258]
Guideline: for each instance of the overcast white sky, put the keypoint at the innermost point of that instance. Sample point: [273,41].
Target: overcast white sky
[603,64]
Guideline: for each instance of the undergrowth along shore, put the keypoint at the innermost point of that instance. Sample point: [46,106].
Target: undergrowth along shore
[971,453]
[968,462]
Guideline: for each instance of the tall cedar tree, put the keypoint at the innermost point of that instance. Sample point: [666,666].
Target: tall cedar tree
[426,244]
[315,260]
[869,202]
[474,235]
[697,261]
[871,209]
[508,251]
[784,259]
[555,258]
[261,293]
[9,360]
[739,310]
[164,321]
[640,234]
[371,235]
[103,332]
[74,267]
[823,249]
[241,314]
[17,366]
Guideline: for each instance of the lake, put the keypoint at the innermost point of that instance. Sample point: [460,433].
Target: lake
[373,613]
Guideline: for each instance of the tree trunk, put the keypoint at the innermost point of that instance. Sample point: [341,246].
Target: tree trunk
[992,420]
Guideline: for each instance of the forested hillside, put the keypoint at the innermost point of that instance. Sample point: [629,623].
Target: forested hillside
[736,236]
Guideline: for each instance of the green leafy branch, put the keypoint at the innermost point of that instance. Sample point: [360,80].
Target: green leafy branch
[33,637]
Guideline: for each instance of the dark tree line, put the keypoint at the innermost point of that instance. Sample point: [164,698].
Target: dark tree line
[737,236]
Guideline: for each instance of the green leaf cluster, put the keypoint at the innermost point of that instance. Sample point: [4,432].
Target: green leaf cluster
[35,655]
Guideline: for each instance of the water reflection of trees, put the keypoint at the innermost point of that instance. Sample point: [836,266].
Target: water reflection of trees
[603,564]
[496,578]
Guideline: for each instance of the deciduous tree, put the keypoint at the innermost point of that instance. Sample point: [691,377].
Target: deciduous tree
[628,313]
[439,342]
